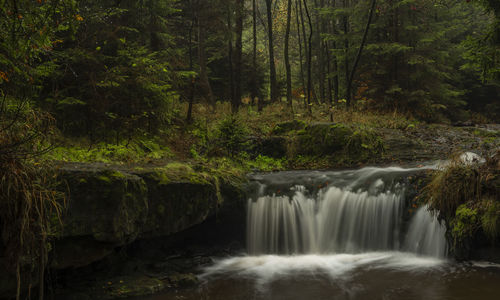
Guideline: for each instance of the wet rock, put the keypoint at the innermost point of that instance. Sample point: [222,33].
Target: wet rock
[105,208]
[109,205]
[135,285]
[176,206]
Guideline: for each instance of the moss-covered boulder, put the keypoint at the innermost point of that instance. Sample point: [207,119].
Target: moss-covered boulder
[271,146]
[180,197]
[352,144]
[287,127]
[105,208]
[107,204]
[466,196]
[177,205]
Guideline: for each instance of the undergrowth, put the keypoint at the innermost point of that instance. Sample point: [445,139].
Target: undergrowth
[465,195]
[29,202]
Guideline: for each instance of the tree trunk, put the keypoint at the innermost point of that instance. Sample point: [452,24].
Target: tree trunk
[309,57]
[272,66]
[287,58]
[297,3]
[328,73]
[253,83]
[335,65]
[358,56]
[319,50]
[238,56]
[232,94]
[345,24]
[189,116]
[202,58]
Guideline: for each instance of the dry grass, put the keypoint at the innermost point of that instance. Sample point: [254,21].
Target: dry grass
[263,122]
[455,185]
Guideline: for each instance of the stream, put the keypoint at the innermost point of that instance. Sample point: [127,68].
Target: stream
[353,234]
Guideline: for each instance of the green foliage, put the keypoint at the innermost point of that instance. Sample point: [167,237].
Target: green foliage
[139,151]
[27,32]
[364,143]
[464,195]
[266,164]
[231,135]
[116,82]
[452,187]
[464,224]
[490,220]
[414,66]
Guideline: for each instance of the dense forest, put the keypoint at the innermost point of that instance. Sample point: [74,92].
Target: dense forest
[102,68]
[227,87]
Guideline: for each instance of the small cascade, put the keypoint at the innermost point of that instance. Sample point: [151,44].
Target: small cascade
[426,235]
[364,212]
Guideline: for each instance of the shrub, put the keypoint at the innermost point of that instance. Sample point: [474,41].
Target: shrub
[231,135]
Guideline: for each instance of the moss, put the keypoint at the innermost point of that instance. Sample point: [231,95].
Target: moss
[104,178]
[466,197]
[344,144]
[485,133]
[160,209]
[287,127]
[117,174]
[464,224]
[179,172]
[490,220]
[451,187]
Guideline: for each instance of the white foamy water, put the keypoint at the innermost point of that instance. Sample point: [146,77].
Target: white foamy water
[358,211]
[267,268]
[426,235]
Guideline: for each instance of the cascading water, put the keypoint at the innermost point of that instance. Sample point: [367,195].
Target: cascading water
[358,211]
[334,233]
[348,235]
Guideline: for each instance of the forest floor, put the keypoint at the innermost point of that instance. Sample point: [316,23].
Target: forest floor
[205,140]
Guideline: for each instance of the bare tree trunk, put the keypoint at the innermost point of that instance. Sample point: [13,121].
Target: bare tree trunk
[345,24]
[202,58]
[335,64]
[287,58]
[319,50]
[358,56]
[253,88]
[297,3]
[272,66]
[189,116]
[238,56]
[230,58]
[309,57]
[328,72]
[306,53]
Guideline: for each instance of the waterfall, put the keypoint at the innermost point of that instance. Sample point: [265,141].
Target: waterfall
[339,212]
[426,234]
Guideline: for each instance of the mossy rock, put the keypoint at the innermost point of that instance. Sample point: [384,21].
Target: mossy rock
[272,146]
[177,202]
[286,127]
[322,138]
[351,144]
[107,204]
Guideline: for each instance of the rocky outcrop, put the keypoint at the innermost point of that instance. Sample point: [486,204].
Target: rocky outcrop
[112,206]
[350,145]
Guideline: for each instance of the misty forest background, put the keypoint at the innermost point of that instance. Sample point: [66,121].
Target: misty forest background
[111,71]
